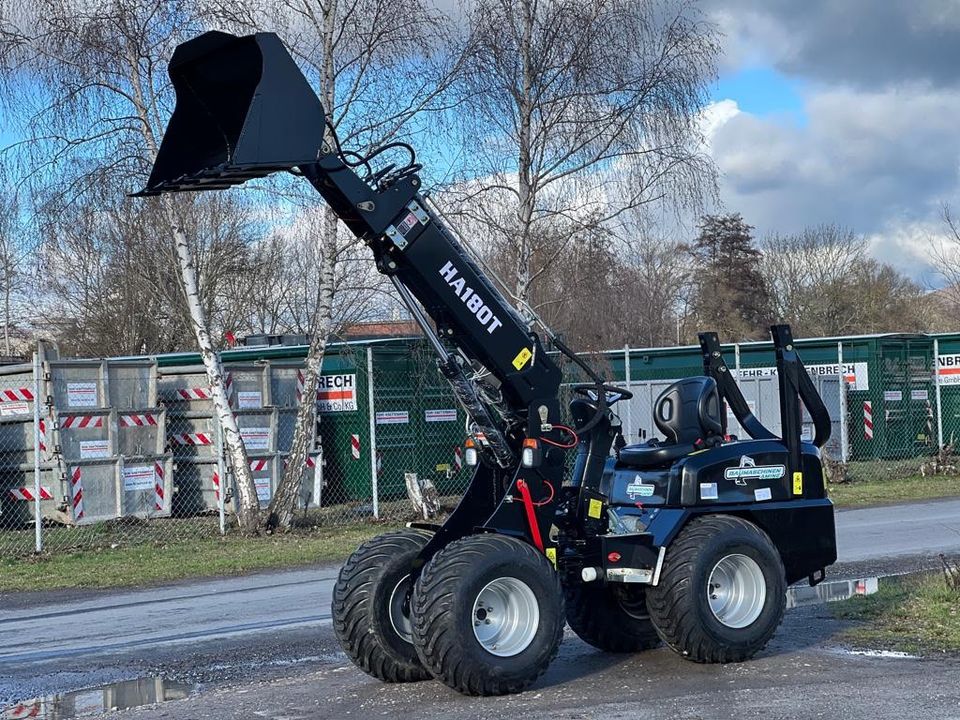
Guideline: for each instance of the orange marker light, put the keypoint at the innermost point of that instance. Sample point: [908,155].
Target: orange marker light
[530,455]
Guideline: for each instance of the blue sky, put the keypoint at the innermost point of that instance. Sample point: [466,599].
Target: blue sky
[840,112]
[763,91]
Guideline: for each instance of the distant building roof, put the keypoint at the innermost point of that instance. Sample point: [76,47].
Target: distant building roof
[380,329]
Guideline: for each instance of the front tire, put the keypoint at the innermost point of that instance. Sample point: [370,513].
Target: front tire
[371,606]
[722,591]
[611,617]
[488,615]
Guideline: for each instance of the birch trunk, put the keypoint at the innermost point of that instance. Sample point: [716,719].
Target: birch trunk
[6,309]
[525,187]
[284,502]
[248,506]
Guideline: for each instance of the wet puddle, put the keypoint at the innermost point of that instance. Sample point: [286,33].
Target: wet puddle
[94,701]
[830,591]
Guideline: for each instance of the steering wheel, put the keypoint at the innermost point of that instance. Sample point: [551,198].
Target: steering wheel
[586,390]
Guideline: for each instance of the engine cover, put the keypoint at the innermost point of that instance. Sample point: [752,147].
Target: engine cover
[745,471]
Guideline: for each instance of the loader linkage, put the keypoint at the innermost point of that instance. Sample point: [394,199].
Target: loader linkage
[480,601]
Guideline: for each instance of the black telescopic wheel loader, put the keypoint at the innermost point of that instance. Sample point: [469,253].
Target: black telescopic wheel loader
[690,540]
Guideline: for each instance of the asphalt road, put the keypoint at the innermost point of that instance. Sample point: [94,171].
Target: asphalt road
[274,628]
[898,531]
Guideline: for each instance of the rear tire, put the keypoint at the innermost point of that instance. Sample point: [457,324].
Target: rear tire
[369,598]
[613,618]
[722,591]
[488,615]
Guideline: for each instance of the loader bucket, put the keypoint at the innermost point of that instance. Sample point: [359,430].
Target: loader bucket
[244,110]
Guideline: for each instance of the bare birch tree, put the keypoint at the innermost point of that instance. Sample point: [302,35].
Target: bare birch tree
[89,81]
[377,66]
[823,281]
[15,252]
[579,112]
[945,255]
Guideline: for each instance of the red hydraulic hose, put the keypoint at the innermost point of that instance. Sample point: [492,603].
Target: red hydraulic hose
[531,513]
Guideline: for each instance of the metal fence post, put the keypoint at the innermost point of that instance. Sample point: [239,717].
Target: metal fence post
[844,431]
[736,358]
[626,380]
[936,391]
[373,436]
[222,473]
[37,519]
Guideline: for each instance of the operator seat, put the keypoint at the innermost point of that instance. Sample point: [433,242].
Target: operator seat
[688,414]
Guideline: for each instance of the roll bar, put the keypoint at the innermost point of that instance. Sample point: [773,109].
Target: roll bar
[714,366]
[796,391]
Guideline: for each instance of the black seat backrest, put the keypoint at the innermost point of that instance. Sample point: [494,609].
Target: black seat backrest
[689,410]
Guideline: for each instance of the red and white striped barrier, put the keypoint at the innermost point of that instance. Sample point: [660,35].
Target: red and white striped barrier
[158,485]
[43,434]
[355,446]
[868,419]
[204,393]
[23,493]
[81,422]
[76,493]
[26,709]
[310,462]
[200,393]
[138,420]
[216,486]
[16,395]
[192,439]
[258,464]
[457,459]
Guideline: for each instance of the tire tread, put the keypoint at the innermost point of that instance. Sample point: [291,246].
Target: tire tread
[672,607]
[351,606]
[438,643]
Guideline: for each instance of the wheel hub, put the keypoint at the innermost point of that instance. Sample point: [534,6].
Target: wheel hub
[505,617]
[400,609]
[736,591]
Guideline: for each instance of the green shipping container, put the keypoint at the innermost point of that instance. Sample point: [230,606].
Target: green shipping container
[948,372]
[889,379]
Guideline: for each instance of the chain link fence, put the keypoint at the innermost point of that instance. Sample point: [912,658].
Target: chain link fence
[103,453]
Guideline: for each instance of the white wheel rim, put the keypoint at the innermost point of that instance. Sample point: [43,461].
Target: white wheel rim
[736,591]
[505,617]
[399,619]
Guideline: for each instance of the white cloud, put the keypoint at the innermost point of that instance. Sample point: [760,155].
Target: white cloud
[881,162]
[715,115]
[906,246]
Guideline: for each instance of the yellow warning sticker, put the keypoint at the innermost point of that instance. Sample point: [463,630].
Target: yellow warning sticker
[798,483]
[552,555]
[594,509]
[522,358]
[443,467]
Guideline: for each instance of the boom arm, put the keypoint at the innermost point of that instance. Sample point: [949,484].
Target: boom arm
[245,111]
